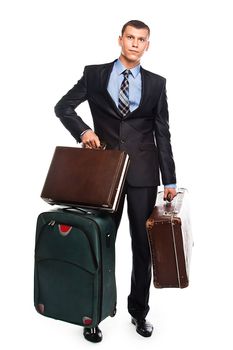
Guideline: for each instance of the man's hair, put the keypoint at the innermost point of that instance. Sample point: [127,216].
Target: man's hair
[136,24]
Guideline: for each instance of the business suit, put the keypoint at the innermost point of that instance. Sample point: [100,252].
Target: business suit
[136,134]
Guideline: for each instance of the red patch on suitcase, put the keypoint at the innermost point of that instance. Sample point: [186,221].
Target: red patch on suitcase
[64,229]
[87,321]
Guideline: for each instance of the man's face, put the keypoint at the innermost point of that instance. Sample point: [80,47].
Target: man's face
[134,43]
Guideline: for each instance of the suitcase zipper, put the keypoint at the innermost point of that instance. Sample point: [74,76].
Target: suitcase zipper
[52,223]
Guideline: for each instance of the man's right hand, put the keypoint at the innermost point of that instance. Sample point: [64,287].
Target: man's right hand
[90,139]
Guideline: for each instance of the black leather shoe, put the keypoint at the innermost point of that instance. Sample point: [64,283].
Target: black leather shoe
[143,327]
[93,335]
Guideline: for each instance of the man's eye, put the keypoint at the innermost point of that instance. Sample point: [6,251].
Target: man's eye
[142,40]
[130,37]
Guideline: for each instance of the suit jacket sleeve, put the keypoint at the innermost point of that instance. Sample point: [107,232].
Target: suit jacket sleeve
[65,108]
[163,140]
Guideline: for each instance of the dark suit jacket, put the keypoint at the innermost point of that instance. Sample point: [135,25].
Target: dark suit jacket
[143,134]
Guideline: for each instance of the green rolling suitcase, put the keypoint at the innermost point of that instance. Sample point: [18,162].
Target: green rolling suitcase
[74,279]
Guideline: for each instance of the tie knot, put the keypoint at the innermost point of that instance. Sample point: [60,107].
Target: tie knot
[126,73]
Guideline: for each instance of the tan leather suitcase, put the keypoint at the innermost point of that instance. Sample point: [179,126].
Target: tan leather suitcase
[170,239]
[86,178]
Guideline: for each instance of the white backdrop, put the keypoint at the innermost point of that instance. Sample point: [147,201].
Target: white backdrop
[44,47]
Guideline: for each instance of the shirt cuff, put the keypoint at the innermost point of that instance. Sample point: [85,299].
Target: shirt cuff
[170,186]
[84,132]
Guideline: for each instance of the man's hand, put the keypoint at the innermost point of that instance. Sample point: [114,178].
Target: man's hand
[169,193]
[90,139]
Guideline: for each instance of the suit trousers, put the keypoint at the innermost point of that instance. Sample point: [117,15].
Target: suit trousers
[141,201]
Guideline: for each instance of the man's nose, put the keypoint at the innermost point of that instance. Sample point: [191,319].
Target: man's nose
[135,43]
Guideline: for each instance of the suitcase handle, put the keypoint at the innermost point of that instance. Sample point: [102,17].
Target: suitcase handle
[83,211]
[168,200]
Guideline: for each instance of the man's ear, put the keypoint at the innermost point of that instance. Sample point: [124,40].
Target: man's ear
[120,40]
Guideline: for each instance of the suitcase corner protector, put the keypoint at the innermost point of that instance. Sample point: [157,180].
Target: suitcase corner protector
[150,223]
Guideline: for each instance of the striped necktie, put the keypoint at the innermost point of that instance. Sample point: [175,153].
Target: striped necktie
[123,103]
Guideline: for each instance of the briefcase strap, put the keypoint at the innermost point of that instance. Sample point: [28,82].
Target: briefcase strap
[175,250]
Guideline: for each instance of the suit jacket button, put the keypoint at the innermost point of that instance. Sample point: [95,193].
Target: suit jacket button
[122,141]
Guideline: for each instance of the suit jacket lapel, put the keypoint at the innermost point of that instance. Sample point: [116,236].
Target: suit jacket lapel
[143,94]
[105,74]
[104,83]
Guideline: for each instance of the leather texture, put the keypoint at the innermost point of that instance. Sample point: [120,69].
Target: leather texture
[143,134]
[170,238]
[85,177]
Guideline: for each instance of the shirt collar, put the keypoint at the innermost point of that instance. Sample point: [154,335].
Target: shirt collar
[120,68]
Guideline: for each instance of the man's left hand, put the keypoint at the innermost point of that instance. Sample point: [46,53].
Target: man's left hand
[169,193]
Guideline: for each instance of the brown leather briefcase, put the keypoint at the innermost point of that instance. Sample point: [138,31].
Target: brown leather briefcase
[170,239]
[86,178]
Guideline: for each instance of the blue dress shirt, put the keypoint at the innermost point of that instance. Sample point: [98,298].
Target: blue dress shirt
[135,84]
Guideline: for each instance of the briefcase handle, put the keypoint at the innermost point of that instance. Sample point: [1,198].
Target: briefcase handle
[102,146]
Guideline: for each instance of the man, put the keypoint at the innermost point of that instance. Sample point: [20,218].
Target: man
[129,110]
